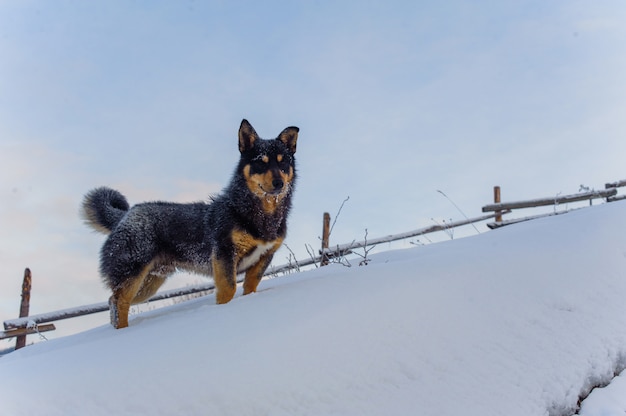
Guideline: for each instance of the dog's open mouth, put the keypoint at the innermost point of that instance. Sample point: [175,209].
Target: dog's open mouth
[274,191]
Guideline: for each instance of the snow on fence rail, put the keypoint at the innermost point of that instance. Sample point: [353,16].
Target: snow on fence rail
[608,194]
[29,330]
[617,184]
[550,201]
[343,249]
[97,307]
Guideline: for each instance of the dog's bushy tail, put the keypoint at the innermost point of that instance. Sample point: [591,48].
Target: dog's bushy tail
[103,208]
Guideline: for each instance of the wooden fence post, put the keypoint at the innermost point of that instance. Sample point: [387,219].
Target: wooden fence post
[25,305]
[496,200]
[325,238]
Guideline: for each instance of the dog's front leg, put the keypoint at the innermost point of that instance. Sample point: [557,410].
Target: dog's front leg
[225,277]
[255,273]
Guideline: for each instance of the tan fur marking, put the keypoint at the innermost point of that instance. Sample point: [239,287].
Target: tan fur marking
[265,159]
[252,279]
[89,216]
[225,281]
[246,245]
[150,285]
[124,295]
[288,177]
[252,182]
[255,273]
[289,136]
[247,136]
[279,158]
[261,183]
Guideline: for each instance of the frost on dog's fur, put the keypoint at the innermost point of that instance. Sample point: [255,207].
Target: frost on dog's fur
[238,231]
[103,208]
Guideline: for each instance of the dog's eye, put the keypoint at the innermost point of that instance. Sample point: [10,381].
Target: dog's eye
[284,163]
[260,162]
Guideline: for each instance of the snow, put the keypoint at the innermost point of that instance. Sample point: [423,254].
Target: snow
[517,321]
[607,401]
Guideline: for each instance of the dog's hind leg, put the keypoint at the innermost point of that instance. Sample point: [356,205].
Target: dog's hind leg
[123,297]
[150,285]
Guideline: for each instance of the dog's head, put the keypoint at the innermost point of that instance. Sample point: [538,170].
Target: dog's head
[268,166]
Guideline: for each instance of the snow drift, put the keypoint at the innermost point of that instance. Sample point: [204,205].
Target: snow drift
[518,321]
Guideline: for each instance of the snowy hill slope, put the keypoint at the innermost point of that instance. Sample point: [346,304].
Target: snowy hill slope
[518,321]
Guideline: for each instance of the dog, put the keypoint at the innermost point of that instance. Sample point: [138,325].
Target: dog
[237,231]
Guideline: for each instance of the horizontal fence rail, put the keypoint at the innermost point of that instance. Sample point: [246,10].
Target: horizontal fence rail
[498,224]
[617,184]
[22,332]
[97,307]
[550,201]
[342,249]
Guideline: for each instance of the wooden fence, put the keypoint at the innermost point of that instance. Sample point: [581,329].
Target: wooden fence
[608,194]
[26,325]
[23,322]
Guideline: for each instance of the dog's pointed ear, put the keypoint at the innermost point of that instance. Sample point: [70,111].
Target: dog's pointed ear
[247,136]
[289,136]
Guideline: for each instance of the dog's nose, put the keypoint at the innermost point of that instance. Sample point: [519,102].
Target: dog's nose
[277,183]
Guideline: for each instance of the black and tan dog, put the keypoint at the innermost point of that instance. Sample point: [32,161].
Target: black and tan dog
[237,231]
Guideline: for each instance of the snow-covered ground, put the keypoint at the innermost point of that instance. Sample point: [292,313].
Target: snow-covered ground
[517,321]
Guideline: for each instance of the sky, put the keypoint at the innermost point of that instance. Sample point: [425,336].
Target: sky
[394,101]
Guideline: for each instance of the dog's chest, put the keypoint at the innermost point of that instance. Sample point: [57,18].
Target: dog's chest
[251,258]
[249,251]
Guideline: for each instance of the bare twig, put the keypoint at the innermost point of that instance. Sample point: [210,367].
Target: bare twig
[458,209]
[556,200]
[365,259]
[446,227]
[310,250]
[295,261]
[337,215]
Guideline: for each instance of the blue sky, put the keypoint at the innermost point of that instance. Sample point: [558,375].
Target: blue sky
[394,100]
